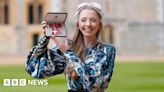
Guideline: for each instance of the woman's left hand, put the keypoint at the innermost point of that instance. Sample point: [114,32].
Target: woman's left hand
[62,46]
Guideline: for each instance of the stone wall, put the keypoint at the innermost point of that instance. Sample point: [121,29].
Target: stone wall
[142,39]
[136,30]
[7,40]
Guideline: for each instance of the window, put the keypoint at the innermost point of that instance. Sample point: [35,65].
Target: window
[108,34]
[35,39]
[35,12]
[4,12]
[40,11]
[30,12]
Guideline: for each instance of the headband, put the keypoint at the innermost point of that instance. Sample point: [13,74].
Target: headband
[93,5]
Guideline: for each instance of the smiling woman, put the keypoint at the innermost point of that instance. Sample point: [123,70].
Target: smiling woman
[89,23]
[87,62]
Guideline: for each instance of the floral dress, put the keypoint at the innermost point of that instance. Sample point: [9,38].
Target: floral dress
[94,71]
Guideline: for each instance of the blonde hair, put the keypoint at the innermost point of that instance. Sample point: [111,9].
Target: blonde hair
[78,46]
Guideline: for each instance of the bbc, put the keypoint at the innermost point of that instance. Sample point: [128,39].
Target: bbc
[14,82]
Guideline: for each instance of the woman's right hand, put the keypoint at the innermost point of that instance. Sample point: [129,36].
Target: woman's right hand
[44,24]
[69,69]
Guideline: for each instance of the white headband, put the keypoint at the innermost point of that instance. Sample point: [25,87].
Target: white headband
[93,5]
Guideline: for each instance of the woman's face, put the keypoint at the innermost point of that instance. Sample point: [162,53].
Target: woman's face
[89,22]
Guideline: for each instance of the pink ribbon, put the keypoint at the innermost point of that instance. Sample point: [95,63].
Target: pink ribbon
[57,26]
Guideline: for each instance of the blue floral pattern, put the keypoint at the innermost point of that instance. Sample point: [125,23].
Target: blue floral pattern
[95,70]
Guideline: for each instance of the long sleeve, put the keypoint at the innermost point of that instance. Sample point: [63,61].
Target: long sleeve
[43,62]
[107,69]
[111,59]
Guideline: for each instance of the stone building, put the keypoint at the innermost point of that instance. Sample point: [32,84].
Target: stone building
[137,25]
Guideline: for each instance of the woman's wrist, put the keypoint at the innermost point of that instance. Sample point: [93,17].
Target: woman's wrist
[63,49]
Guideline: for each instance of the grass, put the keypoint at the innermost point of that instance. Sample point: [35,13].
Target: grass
[127,77]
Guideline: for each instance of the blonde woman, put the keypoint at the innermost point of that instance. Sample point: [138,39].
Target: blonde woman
[87,63]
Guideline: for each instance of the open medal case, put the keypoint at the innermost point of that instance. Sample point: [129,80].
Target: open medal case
[56,24]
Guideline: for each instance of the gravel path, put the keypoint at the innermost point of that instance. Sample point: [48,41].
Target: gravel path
[12,60]
[18,60]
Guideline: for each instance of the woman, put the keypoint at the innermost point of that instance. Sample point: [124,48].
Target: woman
[87,63]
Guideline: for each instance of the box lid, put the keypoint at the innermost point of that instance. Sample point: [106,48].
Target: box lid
[55,17]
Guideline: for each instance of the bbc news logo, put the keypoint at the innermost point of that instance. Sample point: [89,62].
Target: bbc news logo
[24,82]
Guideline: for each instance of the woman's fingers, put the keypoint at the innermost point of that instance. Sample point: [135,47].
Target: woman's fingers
[71,71]
[56,41]
[74,74]
[66,41]
[44,24]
